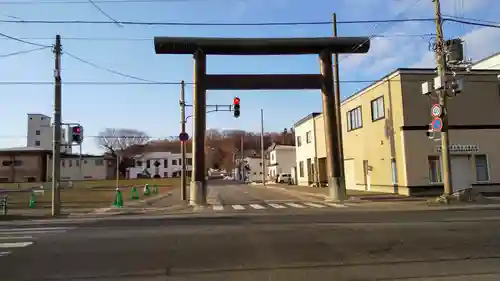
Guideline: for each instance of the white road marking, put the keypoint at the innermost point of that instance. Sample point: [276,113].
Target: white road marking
[276,206]
[238,207]
[218,208]
[30,232]
[3,254]
[335,205]
[314,205]
[34,229]
[294,205]
[257,206]
[15,245]
[15,237]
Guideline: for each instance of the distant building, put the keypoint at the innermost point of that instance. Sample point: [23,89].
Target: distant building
[281,160]
[40,133]
[252,168]
[159,165]
[491,62]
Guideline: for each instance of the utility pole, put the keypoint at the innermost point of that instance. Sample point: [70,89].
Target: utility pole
[262,154]
[443,99]
[183,143]
[56,148]
[242,155]
[340,146]
[117,183]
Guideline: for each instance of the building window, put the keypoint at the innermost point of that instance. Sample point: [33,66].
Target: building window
[174,162]
[272,156]
[354,119]
[99,162]
[301,169]
[148,164]
[63,163]
[37,132]
[308,137]
[6,163]
[165,163]
[190,161]
[77,163]
[435,171]
[299,141]
[482,173]
[70,163]
[37,143]
[165,174]
[378,111]
[138,163]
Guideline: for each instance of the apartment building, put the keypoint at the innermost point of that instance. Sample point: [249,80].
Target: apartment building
[281,160]
[160,165]
[40,133]
[385,142]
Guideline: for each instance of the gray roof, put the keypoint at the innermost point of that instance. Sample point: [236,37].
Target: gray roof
[24,148]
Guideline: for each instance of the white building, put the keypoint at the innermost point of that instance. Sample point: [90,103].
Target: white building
[40,133]
[160,165]
[88,167]
[490,62]
[309,152]
[281,160]
[253,168]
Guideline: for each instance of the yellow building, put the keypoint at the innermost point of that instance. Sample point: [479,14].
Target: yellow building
[386,147]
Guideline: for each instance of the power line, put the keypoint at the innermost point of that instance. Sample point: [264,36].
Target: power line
[103,12]
[213,24]
[109,70]
[22,41]
[113,83]
[23,52]
[72,2]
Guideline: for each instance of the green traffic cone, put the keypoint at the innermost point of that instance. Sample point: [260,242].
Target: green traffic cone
[147,191]
[32,200]
[118,199]
[134,195]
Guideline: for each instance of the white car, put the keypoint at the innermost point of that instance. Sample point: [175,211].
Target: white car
[284,178]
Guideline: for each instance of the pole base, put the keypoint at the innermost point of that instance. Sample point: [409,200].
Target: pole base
[196,194]
[336,191]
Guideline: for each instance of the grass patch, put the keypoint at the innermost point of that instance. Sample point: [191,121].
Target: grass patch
[94,183]
[78,197]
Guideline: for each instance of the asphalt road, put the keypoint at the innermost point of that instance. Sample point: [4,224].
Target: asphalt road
[427,245]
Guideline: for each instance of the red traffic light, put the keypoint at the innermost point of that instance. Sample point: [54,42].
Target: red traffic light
[77,129]
[236,100]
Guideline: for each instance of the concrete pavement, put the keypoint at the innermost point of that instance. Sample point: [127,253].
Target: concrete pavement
[432,245]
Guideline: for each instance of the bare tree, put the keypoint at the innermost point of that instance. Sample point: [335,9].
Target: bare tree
[117,140]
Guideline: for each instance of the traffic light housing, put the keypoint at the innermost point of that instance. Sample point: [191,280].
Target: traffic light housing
[236,107]
[77,134]
[430,132]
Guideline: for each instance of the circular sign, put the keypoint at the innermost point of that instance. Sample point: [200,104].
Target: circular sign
[183,136]
[436,110]
[437,124]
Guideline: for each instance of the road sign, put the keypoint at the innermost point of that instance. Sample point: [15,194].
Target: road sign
[436,110]
[437,124]
[183,136]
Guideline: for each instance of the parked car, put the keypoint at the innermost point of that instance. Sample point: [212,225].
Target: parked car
[284,178]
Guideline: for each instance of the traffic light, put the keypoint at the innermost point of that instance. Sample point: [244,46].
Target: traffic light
[430,132]
[77,134]
[236,107]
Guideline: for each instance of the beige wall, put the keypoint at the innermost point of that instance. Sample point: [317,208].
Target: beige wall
[376,141]
[305,150]
[89,169]
[30,167]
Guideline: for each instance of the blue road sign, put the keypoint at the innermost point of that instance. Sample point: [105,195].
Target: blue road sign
[183,136]
[437,124]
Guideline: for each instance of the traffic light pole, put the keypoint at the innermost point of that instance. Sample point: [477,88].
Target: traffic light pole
[56,147]
[182,103]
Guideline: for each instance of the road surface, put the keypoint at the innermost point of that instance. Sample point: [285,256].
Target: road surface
[425,245]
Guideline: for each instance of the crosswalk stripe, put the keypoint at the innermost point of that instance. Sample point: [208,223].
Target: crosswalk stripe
[15,237]
[31,232]
[335,205]
[218,207]
[238,207]
[257,206]
[294,205]
[276,206]
[35,229]
[3,254]
[15,244]
[314,205]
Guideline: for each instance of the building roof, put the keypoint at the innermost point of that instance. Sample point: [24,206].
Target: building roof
[486,58]
[305,119]
[23,149]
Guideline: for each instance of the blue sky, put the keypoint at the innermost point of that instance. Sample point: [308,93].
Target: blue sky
[154,108]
